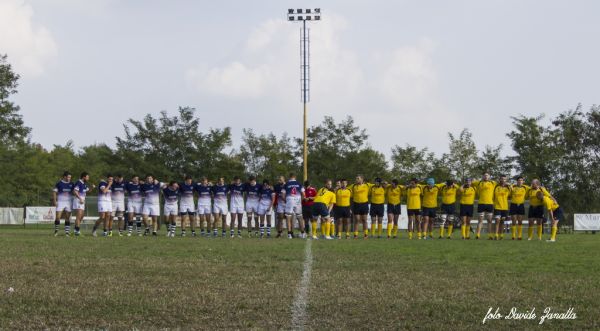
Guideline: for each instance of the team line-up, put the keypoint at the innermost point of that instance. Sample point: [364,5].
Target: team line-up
[340,209]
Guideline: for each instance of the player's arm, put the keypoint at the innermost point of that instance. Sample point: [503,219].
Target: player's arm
[76,194]
[55,197]
[332,202]
[273,199]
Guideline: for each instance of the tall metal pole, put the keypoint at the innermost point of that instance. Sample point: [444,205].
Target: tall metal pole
[304,99]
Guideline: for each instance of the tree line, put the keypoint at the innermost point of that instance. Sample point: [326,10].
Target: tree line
[564,154]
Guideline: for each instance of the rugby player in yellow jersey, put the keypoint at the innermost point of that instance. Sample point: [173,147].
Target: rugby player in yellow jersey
[360,200]
[376,210]
[342,209]
[555,213]
[448,193]
[485,204]
[517,207]
[501,195]
[467,199]
[393,194]
[535,215]
[323,203]
[333,219]
[430,204]
[413,207]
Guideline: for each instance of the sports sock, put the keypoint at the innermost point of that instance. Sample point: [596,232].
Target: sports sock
[395,230]
[513,231]
[540,228]
[372,229]
[67,226]
[332,229]
[450,228]
[379,229]
[419,234]
[554,230]
[356,233]
[462,231]
[313,225]
[76,229]
[530,232]
[389,230]
[56,225]
[327,227]
[410,234]
[366,232]
[441,231]
[268,231]
[520,230]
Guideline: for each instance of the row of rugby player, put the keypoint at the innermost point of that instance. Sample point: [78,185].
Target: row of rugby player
[350,205]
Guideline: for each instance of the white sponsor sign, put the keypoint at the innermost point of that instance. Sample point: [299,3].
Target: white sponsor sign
[11,215]
[35,215]
[587,222]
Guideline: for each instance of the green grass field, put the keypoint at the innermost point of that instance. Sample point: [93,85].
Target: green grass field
[199,283]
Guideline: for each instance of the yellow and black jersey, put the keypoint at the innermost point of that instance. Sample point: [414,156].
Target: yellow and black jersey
[550,203]
[377,194]
[467,195]
[501,194]
[342,197]
[485,191]
[518,194]
[360,192]
[325,196]
[430,195]
[532,196]
[413,197]
[449,194]
[394,194]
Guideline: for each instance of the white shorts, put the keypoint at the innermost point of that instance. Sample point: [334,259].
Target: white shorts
[220,208]
[237,208]
[170,210]
[134,207]
[151,210]
[118,206]
[293,205]
[281,208]
[77,205]
[204,210]
[187,209]
[105,206]
[252,206]
[63,206]
[264,209]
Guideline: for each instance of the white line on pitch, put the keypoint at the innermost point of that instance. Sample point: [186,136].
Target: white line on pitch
[300,303]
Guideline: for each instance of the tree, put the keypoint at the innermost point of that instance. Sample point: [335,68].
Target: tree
[170,147]
[267,155]
[532,144]
[12,129]
[332,145]
[491,161]
[463,155]
[410,162]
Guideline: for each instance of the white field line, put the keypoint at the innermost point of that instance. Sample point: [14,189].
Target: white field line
[299,315]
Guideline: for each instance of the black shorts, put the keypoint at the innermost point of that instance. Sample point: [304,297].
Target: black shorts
[319,209]
[341,212]
[466,210]
[500,213]
[376,210]
[429,212]
[517,209]
[306,212]
[190,213]
[558,214]
[485,208]
[448,209]
[413,212]
[394,209]
[361,208]
[535,212]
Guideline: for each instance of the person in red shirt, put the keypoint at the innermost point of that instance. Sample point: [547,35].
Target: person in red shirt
[309,199]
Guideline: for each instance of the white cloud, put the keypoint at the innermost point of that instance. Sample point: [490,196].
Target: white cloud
[269,64]
[29,46]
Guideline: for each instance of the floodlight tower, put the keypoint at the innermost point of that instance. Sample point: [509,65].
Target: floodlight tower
[303,15]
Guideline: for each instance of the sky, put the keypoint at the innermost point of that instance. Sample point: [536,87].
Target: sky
[407,71]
